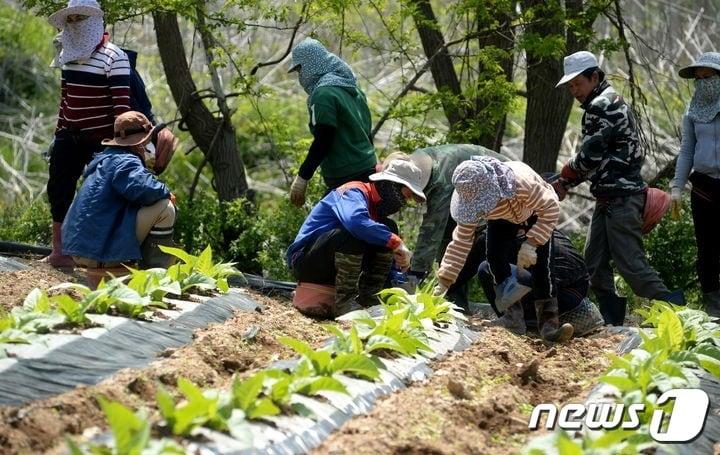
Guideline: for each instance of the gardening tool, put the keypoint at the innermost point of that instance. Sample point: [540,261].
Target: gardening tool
[509,291]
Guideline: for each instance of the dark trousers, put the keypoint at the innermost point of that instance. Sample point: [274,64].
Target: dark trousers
[502,249]
[458,292]
[569,295]
[70,155]
[316,264]
[705,203]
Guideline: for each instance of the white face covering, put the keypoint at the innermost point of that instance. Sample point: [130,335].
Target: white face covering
[149,155]
[79,39]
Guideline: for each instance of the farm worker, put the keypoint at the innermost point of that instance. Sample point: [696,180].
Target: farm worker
[122,212]
[97,84]
[348,242]
[511,197]
[437,164]
[698,159]
[570,278]
[611,158]
[339,120]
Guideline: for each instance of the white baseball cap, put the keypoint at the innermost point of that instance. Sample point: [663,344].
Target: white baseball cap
[577,63]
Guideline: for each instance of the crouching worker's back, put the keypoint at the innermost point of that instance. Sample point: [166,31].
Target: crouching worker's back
[121,212]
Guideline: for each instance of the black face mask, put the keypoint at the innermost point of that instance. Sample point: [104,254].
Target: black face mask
[391,198]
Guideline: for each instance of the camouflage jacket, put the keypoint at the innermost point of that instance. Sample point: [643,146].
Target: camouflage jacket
[610,156]
[433,238]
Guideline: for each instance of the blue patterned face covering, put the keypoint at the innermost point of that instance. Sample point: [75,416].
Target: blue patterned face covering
[320,67]
[705,103]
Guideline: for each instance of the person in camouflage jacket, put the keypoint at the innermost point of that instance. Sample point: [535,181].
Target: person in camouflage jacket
[437,164]
[610,157]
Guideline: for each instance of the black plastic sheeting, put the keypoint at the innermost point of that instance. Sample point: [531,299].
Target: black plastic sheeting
[297,434]
[130,344]
[11,265]
[263,285]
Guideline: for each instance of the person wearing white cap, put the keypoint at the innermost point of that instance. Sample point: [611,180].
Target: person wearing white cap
[513,198]
[698,162]
[340,120]
[95,89]
[437,164]
[610,157]
[348,242]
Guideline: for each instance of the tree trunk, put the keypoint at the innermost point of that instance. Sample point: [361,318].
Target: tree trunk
[548,108]
[213,135]
[502,39]
[441,66]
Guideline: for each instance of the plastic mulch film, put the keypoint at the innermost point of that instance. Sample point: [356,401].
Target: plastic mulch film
[131,343]
[11,265]
[265,286]
[300,434]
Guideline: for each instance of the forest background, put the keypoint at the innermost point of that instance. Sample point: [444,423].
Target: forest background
[466,71]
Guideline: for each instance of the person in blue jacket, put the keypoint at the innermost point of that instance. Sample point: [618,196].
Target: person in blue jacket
[348,241]
[121,212]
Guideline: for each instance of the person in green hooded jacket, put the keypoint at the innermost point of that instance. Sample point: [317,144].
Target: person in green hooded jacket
[437,164]
[340,120]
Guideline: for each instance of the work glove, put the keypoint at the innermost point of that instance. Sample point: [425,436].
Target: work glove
[402,256]
[675,202]
[297,191]
[440,290]
[527,256]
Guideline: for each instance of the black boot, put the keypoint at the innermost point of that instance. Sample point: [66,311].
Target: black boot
[613,309]
[152,256]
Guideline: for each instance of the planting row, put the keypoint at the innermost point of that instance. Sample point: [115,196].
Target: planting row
[135,296]
[681,342]
[403,328]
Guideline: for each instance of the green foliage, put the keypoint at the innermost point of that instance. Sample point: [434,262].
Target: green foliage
[131,434]
[198,272]
[26,222]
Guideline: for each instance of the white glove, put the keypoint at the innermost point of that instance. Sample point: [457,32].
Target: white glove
[297,191]
[675,202]
[527,256]
[402,256]
[439,290]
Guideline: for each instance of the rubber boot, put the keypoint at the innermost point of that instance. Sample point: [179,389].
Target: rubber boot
[513,320]
[458,294]
[549,322]
[711,301]
[56,258]
[613,309]
[152,255]
[348,268]
[373,278]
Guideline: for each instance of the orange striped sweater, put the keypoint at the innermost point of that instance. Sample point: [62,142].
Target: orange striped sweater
[533,196]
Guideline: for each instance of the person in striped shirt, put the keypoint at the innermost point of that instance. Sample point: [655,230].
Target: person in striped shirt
[512,197]
[95,89]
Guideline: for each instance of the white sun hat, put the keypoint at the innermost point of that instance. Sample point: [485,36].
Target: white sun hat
[403,172]
[577,63]
[82,7]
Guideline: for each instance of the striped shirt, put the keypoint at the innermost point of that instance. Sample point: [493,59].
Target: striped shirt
[533,196]
[94,92]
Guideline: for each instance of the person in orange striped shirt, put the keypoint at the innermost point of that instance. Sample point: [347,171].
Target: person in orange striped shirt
[511,196]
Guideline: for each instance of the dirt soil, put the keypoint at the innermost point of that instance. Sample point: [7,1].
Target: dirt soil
[238,346]
[478,401]
[15,286]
